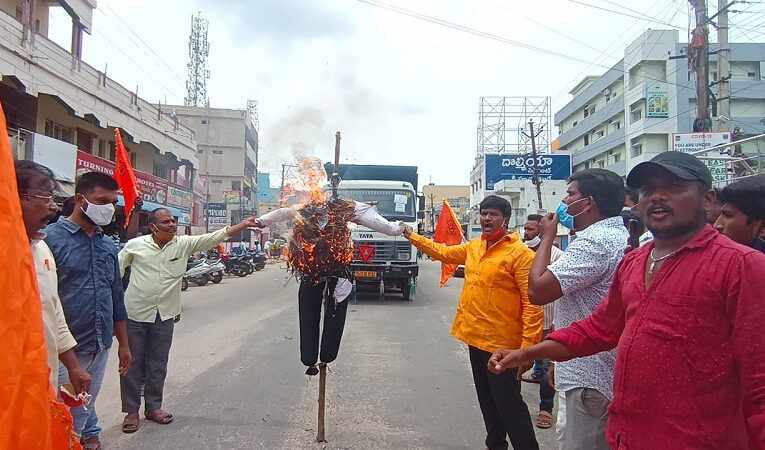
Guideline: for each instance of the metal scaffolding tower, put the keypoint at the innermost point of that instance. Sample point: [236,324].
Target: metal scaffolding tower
[199,51]
[502,120]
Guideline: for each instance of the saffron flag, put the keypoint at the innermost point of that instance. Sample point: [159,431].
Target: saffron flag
[31,417]
[125,176]
[449,232]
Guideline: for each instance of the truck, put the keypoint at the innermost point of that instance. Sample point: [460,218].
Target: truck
[385,262]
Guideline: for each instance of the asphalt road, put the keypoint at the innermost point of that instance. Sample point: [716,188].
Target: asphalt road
[235,380]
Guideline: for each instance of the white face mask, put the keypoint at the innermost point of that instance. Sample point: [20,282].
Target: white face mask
[101,215]
[534,243]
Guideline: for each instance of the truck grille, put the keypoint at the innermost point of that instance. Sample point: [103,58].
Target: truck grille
[384,250]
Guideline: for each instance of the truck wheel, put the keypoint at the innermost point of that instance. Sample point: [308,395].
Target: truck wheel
[408,290]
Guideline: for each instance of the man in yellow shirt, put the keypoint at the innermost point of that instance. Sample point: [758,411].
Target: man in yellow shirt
[494,311]
[153,300]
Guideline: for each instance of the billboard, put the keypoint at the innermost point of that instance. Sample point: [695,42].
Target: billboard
[693,142]
[217,216]
[521,167]
[657,101]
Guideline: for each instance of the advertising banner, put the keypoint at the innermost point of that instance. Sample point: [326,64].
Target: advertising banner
[521,167]
[232,197]
[179,197]
[657,101]
[217,216]
[153,189]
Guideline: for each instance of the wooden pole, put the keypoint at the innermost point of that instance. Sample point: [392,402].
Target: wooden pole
[335,178]
[320,437]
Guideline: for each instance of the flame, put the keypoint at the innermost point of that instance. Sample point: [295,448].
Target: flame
[308,185]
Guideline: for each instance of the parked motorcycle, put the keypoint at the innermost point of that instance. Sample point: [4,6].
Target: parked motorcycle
[217,269]
[197,272]
[259,260]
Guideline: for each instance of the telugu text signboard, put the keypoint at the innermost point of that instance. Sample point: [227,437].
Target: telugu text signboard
[694,142]
[521,167]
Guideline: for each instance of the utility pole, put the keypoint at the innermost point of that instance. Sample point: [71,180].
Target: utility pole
[432,213]
[282,198]
[723,67]
[535,178]
[699,52]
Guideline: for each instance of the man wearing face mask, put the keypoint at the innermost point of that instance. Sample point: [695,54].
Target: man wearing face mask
[532,238]
[494,312]
[577,282]
[90,288]
[153,298]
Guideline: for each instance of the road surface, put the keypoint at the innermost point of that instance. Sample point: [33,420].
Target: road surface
[235,380]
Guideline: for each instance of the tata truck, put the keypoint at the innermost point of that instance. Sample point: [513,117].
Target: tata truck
[385,263]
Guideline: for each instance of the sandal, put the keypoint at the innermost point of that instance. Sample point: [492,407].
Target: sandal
[91,443]
[544,420]
[159,416]
[130,423]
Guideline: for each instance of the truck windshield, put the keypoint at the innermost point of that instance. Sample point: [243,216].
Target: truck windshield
[391,203]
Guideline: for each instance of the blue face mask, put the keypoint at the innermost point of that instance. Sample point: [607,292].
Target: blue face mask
[564,218]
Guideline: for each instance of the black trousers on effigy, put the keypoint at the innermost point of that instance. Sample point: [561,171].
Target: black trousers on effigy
[311,297]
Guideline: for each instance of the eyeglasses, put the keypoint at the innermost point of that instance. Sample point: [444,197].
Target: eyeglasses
[48,198]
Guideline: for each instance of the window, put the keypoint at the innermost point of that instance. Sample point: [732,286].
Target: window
[617,157]
[59,132]
[102,149]
[636,149]
[204,121]
[601,164]
[160,170]
[574,124]
[85,141]
[636,112]
[587,139]
[217,152]
[112,151]
[587,111]
[236,185]
[217,181]
[750,75]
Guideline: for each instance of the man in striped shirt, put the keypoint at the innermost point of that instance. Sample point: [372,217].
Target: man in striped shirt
[532,239]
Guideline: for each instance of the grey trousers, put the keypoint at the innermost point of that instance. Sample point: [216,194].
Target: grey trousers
[586,417]
[150,345]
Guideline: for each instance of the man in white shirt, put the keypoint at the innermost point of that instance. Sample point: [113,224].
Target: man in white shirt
[577,283]
[153,300]
[532,238]
[36,185]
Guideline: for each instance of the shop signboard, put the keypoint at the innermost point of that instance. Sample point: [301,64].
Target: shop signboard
[217,216]
[521,167]
[153,189]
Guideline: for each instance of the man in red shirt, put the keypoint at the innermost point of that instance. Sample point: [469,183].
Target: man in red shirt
[685,313]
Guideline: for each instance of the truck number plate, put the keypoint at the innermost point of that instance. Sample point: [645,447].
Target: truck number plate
[365,274]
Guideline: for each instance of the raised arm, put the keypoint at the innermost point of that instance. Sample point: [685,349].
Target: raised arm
[450,254]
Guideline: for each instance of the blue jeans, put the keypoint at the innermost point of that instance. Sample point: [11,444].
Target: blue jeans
[546,391]
[85,420]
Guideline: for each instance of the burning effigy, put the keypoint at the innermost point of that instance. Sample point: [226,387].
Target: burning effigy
[319,255]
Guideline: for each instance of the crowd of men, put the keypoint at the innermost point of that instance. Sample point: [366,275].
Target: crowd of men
[80,277]
[655,346]
[655,336]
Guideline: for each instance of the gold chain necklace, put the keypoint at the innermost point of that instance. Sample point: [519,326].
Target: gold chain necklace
[656,260]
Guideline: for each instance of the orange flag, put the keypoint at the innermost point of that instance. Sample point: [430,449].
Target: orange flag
[30,416]
[125,176]
[448,231]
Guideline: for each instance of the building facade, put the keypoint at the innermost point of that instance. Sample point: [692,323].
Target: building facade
[458,197]
[629,113]
[62,113]
[228,156]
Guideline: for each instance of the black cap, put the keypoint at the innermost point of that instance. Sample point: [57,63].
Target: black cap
[682,165]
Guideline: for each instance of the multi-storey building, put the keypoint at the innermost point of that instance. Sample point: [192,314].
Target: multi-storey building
[62,112]
[228,155]
[458,197]
[630,112]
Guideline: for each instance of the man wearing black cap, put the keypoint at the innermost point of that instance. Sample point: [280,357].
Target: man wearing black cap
[685,314]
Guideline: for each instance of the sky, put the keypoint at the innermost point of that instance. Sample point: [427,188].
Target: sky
[401,90]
